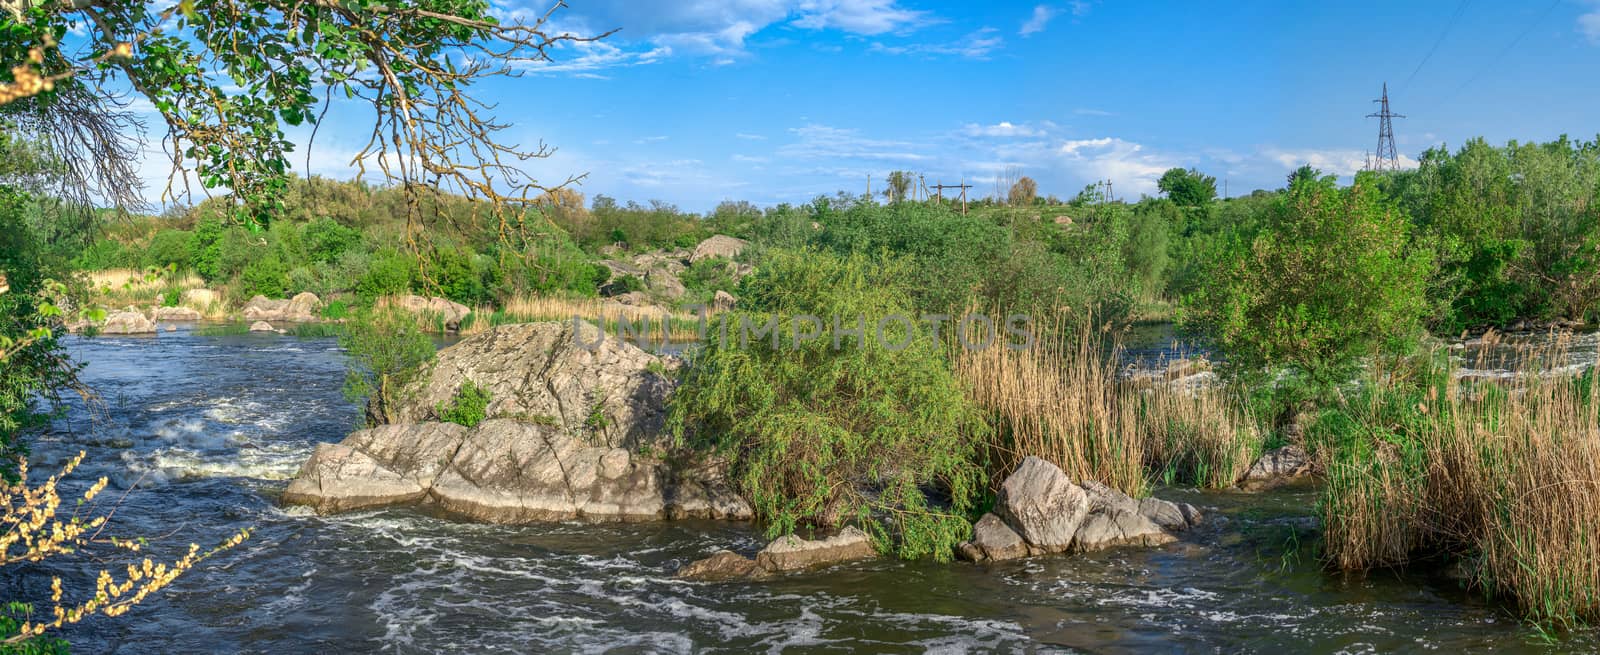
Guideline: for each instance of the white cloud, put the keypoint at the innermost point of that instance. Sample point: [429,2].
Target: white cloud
[1037,22]
[1338,162]
[832,143]
[1132,169]
[651,139]
[1085,111]
[1589,23]
[750,137]
[867,17]
[1002,129]
[976,45]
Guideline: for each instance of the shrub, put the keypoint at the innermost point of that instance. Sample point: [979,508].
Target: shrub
[820,436]
[390,273]
[469,406]
[265,276]
[169,248]
[387,349]
[1289,301]
[325,240]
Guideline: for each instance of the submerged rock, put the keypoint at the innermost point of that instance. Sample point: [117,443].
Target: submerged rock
[571,433]
[786,554]
[262,326]
[1277,466]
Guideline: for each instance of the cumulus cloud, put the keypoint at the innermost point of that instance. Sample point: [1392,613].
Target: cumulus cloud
[1037,22]
[1335,161]
[1125,163]
[867,17]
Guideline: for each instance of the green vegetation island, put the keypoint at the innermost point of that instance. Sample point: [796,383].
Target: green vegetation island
[447,404]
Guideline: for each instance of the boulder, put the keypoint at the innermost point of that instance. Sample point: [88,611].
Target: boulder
[718,246]
[340,478]
[200,298]
[127,321]
[993,540]
[1042,505]
[301,308]
[665,284]
[175,314]
[448,311]
[723,301]
[262,326]
[571,416]
[1115,519]
[1171,516]
[1277,466]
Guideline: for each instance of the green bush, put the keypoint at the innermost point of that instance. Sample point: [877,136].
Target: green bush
[325,240]
[265,276]
[390,273]
[819,435]
[469,406]
[1332,277]
[169,248]
[387,349]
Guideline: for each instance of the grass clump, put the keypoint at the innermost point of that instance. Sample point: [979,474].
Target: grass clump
[1503,476]
[468,407]
[868,433]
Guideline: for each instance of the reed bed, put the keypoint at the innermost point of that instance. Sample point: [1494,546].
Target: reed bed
[1500,476]
[1200,435]
[680,327]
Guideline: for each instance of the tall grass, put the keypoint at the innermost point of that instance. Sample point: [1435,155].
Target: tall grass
[680,326]
[1504,476]
[119,287]
[1200,435]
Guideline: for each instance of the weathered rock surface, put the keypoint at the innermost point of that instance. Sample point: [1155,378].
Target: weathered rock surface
[1277,466]
[262,326]
[1040,511]
[786,554]
[566,437]
[161,314]
[127,321]
[448,311]
[718,246]
[1042,505]
[665,284]
[301,308]
[722,301]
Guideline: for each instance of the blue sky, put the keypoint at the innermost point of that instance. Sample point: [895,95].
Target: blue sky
[780,100]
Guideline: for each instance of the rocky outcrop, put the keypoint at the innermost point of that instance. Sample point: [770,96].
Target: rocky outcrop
[1277,466]
[449,312]
[169,314]
[720,245]
[127,321]
[1040,511]
[786,554]
[573,432]
[722,301]
[301,308]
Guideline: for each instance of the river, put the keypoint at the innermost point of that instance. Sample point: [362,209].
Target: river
[202,432]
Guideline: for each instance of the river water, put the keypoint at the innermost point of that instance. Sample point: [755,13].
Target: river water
[202,432]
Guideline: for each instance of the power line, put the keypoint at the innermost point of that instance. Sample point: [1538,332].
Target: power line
[1386,156]
[1460,9]
[1509,47]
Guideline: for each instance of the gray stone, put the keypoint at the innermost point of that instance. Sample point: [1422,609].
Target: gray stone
[449,312]
[722,301]
[341,478]
[665,284]
[127,321]
[1116,519]
[1278,466]
[996,541]
[718,246]
[1042,505]
[1171,516]
[166,314]
[262,326]
[791,553]
[723,565]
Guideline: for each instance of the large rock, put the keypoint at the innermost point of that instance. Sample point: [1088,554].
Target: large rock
[723,301]
[1278,466]
[449,312]
[301,308]
[1042,505]
[665,284]
[166,314]
[1115,519]
[578,379]
[127,321]
[786,554]
[718,246]
[573,432]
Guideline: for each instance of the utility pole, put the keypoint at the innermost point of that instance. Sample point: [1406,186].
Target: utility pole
[1386,156]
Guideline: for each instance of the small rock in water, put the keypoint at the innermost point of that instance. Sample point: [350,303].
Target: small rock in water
[784,555]
[1277,466]
[261,326]
[724,565]
[993,540]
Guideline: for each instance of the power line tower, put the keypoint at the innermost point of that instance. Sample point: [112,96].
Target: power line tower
[1385,158]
